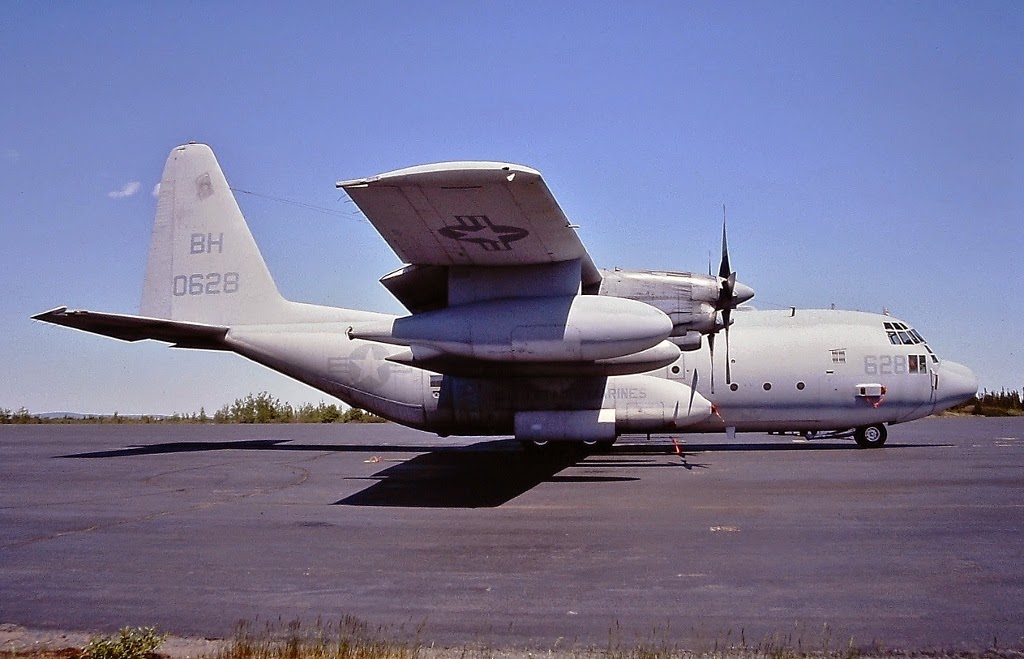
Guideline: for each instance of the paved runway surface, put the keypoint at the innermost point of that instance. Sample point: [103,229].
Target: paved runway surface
[917,545]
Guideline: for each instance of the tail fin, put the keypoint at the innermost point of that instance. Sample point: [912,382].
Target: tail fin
[204,265]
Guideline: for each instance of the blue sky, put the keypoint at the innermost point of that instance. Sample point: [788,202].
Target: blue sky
[871,155]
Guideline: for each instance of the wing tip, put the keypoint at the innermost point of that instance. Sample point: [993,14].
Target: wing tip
[52,313]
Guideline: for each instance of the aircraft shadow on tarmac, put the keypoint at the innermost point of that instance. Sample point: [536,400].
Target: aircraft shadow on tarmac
[485,474]
[482,475]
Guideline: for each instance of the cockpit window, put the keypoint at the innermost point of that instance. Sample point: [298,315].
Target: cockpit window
[900,334]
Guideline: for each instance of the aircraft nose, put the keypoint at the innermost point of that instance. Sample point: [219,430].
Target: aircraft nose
[742,293]
[956,384]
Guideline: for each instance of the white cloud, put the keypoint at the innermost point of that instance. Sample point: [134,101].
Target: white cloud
[156,190]
[127,190]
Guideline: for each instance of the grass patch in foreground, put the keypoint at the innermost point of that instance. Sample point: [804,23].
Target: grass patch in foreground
[130,643]
[352,638]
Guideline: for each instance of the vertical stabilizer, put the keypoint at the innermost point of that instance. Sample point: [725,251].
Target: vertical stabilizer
[204,265]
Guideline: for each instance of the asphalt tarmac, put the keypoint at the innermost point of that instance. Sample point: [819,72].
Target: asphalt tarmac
[915,546]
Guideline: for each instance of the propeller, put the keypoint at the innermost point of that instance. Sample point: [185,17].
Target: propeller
[727,300]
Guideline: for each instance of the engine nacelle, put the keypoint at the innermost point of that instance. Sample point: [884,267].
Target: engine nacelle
[582,328]
[688,298]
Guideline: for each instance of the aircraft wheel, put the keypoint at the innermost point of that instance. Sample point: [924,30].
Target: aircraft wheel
[534,447]
[598,445]
[870,436]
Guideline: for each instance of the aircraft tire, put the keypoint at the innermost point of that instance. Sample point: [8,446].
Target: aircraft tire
[870,436]
[598,445]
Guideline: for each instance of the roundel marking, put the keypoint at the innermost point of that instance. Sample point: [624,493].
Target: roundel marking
[479,230]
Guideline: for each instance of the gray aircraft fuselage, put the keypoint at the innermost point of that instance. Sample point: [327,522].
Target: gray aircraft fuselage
[797,370]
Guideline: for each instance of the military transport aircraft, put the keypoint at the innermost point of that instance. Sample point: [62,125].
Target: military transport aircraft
[512,329]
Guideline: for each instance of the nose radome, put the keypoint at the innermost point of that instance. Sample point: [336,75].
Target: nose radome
[956,383]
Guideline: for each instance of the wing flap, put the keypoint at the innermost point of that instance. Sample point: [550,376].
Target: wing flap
[135,328]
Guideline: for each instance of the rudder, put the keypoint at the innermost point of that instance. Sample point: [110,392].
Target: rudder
[204,265]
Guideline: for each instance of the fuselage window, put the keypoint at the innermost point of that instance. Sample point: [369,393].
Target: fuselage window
[905,338]
[893,338]
[767,386]
[800,386]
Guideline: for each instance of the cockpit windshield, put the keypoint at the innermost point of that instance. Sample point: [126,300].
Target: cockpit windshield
[901,334]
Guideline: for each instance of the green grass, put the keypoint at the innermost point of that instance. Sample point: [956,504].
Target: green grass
[129,643]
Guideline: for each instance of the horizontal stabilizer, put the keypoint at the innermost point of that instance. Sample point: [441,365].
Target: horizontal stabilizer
[135,328]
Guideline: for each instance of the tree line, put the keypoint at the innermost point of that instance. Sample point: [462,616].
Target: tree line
[253,408]
[992,403]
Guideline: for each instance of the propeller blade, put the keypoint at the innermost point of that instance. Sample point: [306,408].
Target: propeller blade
[693,391]
[728,367]
[711,349]
[724,270]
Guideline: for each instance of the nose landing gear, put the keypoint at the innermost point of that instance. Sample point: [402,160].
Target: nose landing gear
[870,436]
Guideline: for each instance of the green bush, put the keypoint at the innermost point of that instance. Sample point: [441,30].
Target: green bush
[130,643]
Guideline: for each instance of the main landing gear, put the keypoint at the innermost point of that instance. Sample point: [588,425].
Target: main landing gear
[870,436]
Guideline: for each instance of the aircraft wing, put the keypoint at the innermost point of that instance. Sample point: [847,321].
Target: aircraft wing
[135,328]
[470,214]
